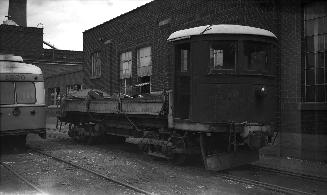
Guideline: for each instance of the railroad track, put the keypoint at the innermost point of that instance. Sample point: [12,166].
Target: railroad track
[268,186]
[19,176]
[289,173]
[121,183]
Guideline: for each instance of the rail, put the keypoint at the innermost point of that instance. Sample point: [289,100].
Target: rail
[23,179]
[134,188]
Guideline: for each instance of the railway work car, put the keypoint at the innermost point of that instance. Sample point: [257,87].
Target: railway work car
[222,106]
[22,99]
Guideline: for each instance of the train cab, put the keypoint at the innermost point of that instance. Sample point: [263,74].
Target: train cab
[224,73]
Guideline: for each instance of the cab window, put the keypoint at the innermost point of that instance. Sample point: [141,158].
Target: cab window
[25,93]
[222,55]
[183,57]
[256,56]
[7,95]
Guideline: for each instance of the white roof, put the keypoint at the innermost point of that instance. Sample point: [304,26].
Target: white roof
[219,29]
[14,64]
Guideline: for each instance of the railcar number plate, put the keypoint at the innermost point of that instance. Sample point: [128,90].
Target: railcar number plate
[15,77]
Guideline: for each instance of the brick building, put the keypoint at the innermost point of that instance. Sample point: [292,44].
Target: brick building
[130,54]
[62,69]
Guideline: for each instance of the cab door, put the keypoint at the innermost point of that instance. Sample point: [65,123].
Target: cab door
[182,93]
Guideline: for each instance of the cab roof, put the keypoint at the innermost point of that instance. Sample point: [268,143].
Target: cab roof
[14,64]
[219,29]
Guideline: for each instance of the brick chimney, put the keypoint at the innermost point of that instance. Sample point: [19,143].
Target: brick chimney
[17,12]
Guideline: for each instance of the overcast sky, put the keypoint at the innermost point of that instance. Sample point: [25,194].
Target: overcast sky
[64,21]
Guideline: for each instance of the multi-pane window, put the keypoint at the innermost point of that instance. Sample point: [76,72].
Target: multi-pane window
[315,21]
[17,92]
[223,55]
[96,65]
[144,62]
[126,65]
[144,69]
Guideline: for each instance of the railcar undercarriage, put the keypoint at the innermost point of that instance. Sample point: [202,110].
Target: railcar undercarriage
[221,146]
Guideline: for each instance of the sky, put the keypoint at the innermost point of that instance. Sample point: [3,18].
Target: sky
[64,21]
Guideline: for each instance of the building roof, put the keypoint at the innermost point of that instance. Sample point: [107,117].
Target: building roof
[219,29]
[14,64]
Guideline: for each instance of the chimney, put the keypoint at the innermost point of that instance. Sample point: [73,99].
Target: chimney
[17,12]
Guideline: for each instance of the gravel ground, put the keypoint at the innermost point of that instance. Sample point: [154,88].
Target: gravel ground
[125,163]
[55,177]
[11,184]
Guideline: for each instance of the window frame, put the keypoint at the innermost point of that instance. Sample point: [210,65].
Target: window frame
[130,64]
[312,53]
[261,70]
[148,67]
[96,73]
[16,95]
[236,56]
[15,100]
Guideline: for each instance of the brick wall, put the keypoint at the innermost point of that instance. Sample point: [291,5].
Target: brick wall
[23,41]
[303,125]
[151,25]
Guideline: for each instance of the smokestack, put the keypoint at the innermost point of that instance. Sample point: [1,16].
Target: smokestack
[17,11]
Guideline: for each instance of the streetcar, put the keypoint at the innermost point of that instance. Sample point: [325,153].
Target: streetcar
[223,104]
[22,100]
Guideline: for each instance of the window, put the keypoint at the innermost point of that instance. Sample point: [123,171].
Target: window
[126,65]
[222,55]
[256,56]
[315,68]
[144,62]
[96,65]
[17,92]
[144,84]
[7,95]
[25,93]
[126,86]
[184,57]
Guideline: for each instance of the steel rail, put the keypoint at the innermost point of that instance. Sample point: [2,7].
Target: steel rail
[289,173]
[268,186]
[134,188]
[22,178]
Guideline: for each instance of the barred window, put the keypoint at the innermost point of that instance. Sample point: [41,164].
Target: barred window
[96,65]
[126,65]
[315,83]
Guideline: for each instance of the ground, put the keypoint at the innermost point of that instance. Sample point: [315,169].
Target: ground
[127,164]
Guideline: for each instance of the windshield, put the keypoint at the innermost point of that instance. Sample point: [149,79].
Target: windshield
[223,55]
[256,56]
[23,91]
[7,95]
